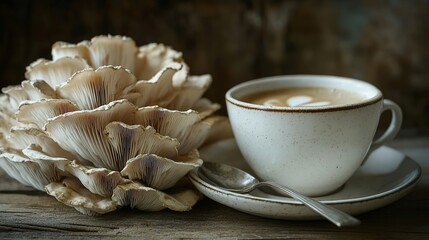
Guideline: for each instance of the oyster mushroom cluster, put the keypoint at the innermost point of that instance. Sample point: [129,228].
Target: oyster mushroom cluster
[107,124]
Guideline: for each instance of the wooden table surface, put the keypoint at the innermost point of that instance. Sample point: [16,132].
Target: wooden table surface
[25,213]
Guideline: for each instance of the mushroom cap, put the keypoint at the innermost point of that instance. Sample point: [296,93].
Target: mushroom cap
[158,90]
[72,193]
[29,90]
[55,72]
[158,172]
[100,181]
[38,112]
[22,137]
[90,89]
[136,195]
[100,51]
[151,58]
[31,172]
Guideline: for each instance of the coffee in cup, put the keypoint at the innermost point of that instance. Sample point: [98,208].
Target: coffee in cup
[304,97]
[308,132]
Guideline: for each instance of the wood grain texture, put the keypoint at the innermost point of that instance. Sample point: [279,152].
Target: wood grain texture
[29,214]
[43,216]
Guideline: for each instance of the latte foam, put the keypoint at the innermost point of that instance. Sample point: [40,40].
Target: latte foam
[304,97]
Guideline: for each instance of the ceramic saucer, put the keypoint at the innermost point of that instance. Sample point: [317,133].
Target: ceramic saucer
[387,176]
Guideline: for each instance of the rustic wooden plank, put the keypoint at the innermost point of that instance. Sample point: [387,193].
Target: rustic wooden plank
[32,214]
[40,215]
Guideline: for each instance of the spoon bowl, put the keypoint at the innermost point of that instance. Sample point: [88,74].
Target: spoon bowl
[236,180]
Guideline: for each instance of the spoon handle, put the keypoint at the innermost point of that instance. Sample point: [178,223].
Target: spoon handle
[334,215]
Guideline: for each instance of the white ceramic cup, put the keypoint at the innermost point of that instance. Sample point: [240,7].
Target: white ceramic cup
[313,150]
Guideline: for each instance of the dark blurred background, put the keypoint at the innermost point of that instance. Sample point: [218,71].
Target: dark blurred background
[384,42]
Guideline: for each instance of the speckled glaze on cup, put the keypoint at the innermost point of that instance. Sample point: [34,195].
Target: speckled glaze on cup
[313,150]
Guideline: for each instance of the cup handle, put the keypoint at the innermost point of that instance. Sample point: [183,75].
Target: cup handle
[392,130]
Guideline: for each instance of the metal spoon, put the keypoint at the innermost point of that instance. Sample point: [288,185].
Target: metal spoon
[235,180]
